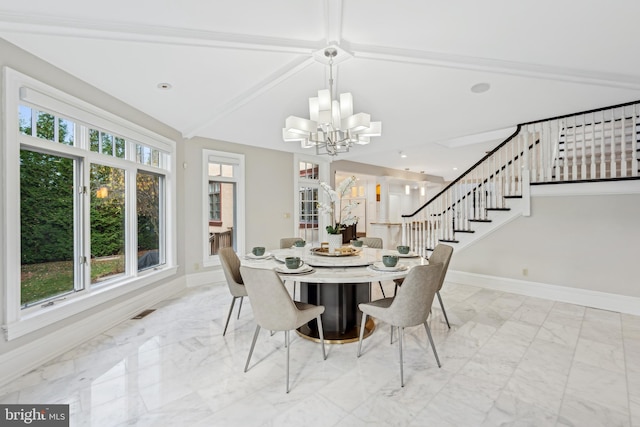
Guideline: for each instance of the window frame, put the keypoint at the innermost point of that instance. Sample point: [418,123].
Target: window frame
[229,158]
[323,176]
[20,89]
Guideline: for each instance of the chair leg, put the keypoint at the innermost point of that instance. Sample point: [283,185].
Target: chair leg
[253,344]
[321,333]
[433,346]
[233,301]
[286,341]
[400,333]
[294,290]
[240,308]
[364,321]
[391,341]
[383,295]
[443,310]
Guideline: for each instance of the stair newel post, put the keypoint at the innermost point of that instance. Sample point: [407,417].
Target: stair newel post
[634,141]
[592,175]
[623,143]
[541,150]
[404,232]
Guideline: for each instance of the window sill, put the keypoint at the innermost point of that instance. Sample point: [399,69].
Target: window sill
[39,317]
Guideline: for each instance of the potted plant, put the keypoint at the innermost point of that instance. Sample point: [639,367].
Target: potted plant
[339,210]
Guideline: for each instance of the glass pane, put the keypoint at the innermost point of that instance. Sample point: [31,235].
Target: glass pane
[214,169]
[66,131]
[143,154]
[227,171]
[308,220]
[45,126]
[107,144]
[107,222]
[120,148]
[46,226]
[24,114]
[148,195]
[223,204]
[94,140]
[155,158]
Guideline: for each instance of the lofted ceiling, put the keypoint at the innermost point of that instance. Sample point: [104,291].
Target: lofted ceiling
[238,68]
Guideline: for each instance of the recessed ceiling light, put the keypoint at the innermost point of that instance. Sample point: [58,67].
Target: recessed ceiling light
[403,155]
[455,169]
[480,87]
[164,86]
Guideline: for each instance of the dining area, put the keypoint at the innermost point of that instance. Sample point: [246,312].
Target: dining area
[324,294]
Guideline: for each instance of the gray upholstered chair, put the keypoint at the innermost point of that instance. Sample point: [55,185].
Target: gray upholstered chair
[231,268]
[374,243]
[409,307]
[274,309]
[440,255]
[287,242]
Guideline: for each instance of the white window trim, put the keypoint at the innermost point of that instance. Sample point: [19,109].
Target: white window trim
[17,86]
[323,175]
[214,260]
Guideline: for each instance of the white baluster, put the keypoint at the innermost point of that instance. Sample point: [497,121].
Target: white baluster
[583,165]
[612,147]
[634,141]
[623,144]
[592,175]
[603,156]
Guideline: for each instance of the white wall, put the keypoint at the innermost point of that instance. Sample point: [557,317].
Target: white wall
[24,353]
[580,241]
[269,197]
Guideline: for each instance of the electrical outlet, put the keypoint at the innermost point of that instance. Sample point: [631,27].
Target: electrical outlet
[525,272]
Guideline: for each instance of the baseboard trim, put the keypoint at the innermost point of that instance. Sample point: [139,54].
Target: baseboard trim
[205,278]
[31,355]
[602,300]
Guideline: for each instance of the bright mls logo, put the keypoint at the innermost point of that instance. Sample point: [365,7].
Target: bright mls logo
[34,415]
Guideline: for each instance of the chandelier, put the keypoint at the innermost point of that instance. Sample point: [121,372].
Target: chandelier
[332,127]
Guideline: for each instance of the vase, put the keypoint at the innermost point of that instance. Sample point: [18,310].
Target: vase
[335,242]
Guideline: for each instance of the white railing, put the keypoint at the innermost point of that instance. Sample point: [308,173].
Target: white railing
[595,145]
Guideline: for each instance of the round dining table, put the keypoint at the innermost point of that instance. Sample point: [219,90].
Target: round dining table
[338,282]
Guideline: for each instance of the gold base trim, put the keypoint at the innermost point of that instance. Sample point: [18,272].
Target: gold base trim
[349,336]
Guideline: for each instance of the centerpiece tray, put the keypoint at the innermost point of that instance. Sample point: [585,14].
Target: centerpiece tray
[343,251]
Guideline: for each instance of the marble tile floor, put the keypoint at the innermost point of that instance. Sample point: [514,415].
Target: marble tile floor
[507,360]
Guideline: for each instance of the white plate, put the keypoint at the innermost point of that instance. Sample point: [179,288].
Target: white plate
[304,269]
[264,256]
[378,266]
[409,255]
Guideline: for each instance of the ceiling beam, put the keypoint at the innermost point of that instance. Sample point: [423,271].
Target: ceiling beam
[66,27]
[256,90]
[520,69]
[333,21]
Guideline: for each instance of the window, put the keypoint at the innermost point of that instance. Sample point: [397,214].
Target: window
[215,217]
[93,220]
[309,223]
[224,217]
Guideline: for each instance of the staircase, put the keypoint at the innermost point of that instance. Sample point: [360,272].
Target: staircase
[590,146]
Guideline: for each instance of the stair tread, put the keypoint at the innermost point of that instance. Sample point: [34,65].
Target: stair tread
[479,220]
[464,231]
[448,241]
[498,209]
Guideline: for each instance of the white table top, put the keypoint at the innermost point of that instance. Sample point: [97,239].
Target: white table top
[329,269]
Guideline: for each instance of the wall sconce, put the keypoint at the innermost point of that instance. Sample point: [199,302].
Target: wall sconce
[407,189]
[377,192]
[102,192]
[361,191]
[354,192]
[422,191]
